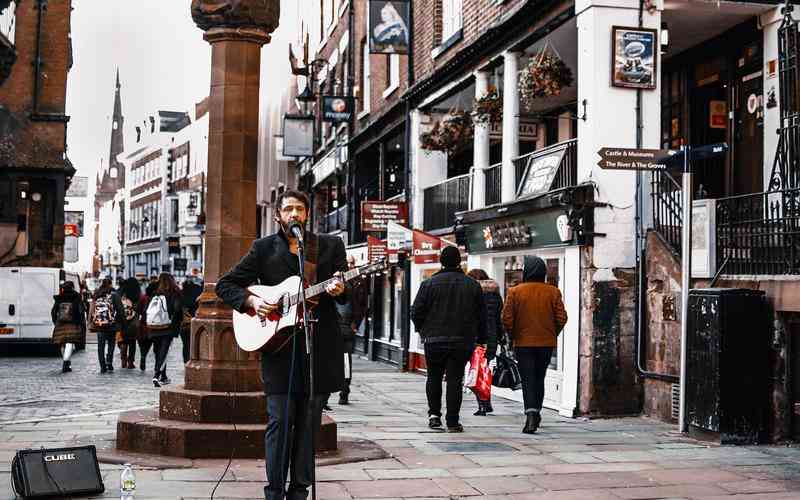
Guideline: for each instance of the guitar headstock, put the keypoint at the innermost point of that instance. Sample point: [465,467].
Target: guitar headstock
[375,267]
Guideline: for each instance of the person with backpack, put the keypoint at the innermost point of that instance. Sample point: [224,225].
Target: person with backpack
[130,295]
[164,317]
[191,292]
[144,340]
[68,317]
[106,318]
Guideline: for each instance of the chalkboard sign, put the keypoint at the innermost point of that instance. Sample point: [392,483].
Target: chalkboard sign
[540,172]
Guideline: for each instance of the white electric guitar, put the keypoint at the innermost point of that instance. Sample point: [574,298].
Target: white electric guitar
[273,332]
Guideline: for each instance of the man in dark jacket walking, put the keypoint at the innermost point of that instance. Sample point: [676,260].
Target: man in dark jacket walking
[272,260]
[450,316]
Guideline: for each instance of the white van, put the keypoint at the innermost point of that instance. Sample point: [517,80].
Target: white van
[26,298]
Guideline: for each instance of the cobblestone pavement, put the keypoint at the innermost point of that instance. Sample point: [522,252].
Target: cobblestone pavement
[568,459]
[33,387]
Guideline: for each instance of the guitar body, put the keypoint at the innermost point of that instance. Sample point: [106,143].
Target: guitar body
[272,333]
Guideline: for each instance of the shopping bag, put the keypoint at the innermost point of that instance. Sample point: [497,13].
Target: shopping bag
[471,375]
[483,383]
[506,372]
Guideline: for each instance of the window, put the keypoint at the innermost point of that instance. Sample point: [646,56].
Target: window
[392,73]
[327,16]
[365,88]
[174,222]
[451,18]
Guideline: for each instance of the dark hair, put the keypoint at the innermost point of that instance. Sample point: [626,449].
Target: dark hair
[167,286]
[103,289]
[130,288]
[478,274]
[291,193]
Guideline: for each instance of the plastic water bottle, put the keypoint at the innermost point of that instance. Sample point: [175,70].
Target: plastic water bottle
[127,483]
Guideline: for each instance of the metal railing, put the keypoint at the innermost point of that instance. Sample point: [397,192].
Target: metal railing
[667,211]
[566,176]
[759,233]
[443,200]
[8,21]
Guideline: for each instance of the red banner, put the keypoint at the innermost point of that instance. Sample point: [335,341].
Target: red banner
[426,248]
[376,249]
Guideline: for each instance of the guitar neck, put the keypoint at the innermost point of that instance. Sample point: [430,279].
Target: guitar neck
[317,289]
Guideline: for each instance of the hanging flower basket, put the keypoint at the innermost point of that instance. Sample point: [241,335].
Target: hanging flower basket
[544,76]
[450,135]
[488,108]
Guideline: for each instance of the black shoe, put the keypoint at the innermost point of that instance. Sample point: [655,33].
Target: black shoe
[532,422]
[488,407]
[326,408]
[103,369]
[435,422]
[65,367]
[143,364]
[156,382]
[455,428]
[481,410]
[343,399]
[164,380]
[110,367]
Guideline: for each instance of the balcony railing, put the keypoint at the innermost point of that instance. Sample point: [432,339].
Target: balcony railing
[566,176]
[443,200]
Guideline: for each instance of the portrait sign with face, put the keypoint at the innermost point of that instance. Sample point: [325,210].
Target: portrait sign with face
[388,26]
[633,57]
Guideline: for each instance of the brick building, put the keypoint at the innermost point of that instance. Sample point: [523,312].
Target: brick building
[35,57]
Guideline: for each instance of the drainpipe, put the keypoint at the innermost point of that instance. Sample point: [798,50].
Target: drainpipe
[640,251]
[406,331]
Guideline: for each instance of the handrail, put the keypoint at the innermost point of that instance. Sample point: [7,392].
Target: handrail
[449,179]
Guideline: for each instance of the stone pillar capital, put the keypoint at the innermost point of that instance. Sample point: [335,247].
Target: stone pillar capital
[253,15]
[243,34]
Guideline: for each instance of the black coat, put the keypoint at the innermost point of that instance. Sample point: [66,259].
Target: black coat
[269,262]
[449,309]
[494,322]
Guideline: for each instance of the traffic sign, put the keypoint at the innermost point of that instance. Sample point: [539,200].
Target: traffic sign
[633,159]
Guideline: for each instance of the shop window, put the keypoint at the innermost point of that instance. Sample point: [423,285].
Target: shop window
[365,77]
[673,93]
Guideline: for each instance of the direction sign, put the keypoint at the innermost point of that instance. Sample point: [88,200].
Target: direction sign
[633,159]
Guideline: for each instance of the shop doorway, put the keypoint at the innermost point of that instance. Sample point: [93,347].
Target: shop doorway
[748,123]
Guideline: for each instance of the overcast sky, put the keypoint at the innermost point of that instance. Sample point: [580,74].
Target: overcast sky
[163,61]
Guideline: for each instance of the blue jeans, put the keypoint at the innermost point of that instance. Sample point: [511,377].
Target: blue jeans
[302,431]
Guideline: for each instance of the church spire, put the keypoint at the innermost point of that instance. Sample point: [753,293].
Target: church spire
[117,143]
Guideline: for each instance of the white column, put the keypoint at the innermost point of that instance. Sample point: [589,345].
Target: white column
[480,160]
[510,124]
[611,121]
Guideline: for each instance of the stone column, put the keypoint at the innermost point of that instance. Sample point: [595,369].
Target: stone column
[480,160]
[236,36]
[510,124]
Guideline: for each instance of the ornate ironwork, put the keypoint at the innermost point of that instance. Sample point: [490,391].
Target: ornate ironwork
[667,213]
[786,167]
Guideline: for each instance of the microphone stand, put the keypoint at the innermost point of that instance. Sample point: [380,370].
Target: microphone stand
[307,328]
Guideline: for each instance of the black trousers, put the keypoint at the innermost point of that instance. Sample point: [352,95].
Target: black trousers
[106,341]
[441,360]
[533,363]
[185,342]
[161,347]
[290,453]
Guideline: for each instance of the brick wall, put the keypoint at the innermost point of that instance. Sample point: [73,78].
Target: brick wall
[476,17]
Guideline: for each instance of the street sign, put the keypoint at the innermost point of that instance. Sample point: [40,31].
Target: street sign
[633,159]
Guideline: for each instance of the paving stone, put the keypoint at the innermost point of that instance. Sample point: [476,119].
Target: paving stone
[576,458]
[676,490]
[455,486]
[406,473]
[493,486]
[496,471]
[513,459]
[418,460]
[604,467]
[590,480]
[401,488]
[760,486]
[690,476]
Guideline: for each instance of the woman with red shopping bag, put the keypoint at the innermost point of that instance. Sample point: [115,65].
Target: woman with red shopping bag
[495,335]
[479,377]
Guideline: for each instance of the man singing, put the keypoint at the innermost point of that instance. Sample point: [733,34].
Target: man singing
[270,261]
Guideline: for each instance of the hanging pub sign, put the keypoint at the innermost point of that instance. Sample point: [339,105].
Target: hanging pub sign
[376,214]
[337,109]
[298,135]
[179,264]
[173,245]
[633,57]
[540,172]
[387,26]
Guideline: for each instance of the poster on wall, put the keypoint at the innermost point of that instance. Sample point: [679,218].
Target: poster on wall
[74,218]
[388,26]
[633,57]
[337,109]
[718,114]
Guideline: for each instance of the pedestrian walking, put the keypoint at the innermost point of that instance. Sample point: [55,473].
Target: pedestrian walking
[533,315]
[69,319]
[350,316]
[450,316]
[494,324]
[130,296]
[191,292]
[106,319]
[144,340]
[164,317]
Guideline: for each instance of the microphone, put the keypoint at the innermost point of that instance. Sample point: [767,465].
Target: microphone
[296,230]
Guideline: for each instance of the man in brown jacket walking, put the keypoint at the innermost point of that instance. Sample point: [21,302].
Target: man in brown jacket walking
[533,316]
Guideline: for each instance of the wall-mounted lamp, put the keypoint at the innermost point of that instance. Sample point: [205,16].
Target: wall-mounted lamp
[664,37]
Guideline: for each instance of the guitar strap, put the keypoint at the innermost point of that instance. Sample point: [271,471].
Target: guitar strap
[312,256]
